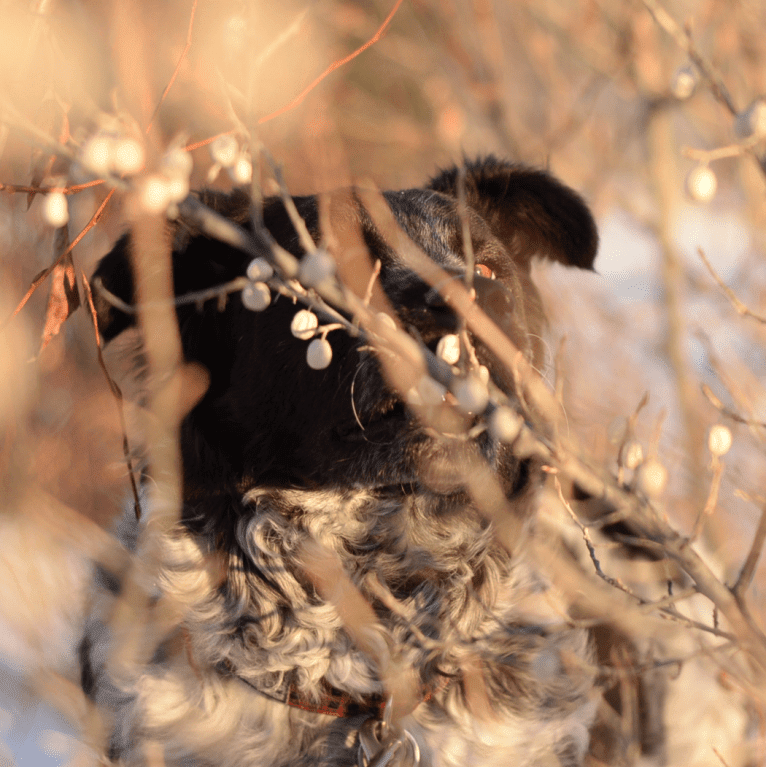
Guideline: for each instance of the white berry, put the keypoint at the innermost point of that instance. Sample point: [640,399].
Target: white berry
[127,156]
[224,151]
[652,477]
[304,324]
[719,440]
[448,348]
[315,268]
[431,392]
[55,209]
[752,121]
[177,187]
[702,183]
[633,454]
[259,270]
[319,354]
[97,154]
[155,194]
[471,394]
[684,82]
[242,171]
[256,297]
[177,162]
[505,424]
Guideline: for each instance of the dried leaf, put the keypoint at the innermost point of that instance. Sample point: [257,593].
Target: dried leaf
[64,297]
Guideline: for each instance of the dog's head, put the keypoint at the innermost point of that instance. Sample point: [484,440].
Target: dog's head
[270,420]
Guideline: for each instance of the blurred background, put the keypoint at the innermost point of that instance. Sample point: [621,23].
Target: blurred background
[651,111]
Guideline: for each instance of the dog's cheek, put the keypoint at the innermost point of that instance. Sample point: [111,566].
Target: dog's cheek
[439,469]
[520,478]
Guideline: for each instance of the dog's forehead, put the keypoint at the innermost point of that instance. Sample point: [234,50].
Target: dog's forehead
[431,220]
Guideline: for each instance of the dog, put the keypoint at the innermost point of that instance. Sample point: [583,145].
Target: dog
[261,668]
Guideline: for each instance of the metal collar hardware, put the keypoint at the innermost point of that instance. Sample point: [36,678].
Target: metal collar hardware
[383,745]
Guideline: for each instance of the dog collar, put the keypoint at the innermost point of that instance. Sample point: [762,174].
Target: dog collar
[333,702]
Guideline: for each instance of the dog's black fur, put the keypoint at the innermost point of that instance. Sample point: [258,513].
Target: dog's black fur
[271,434]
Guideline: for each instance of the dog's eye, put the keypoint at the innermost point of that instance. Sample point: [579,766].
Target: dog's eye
[484,271]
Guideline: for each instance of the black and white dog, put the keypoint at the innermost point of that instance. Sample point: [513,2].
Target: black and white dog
[261,670]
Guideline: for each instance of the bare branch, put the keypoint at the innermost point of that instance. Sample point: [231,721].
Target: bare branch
[740,307]
[684,40]
[748,569]
[718,405]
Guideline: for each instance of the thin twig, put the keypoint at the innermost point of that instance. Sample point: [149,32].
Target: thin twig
[627,437]
[722,152]
[748,569]
[40,279]
[684,40]
[116,393]
[281,38]
[738,305]
[712,499]
[206,141]
[306,240]
[718,754]
[74,189]
[616,582]
[193,297]
[177,69]
[335,65]
[718,405]
[371,284]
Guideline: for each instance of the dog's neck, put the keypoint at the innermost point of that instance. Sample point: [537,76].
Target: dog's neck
[435,556]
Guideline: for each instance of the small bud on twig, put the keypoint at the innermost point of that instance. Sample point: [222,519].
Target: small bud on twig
[448,349]
[259,270]
[127,156]
[55,209]
[224,151]
[505,424]
[684,82]
[634,455]
[653,478]
[719,440]
[702,184]
[752,120]
[304,324]
[319,354]
[471,394]
[256,297]
[315,268]
[242,170]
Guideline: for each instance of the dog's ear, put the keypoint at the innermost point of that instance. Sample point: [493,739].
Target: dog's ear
[528,210]
[114,273]
[199,262]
